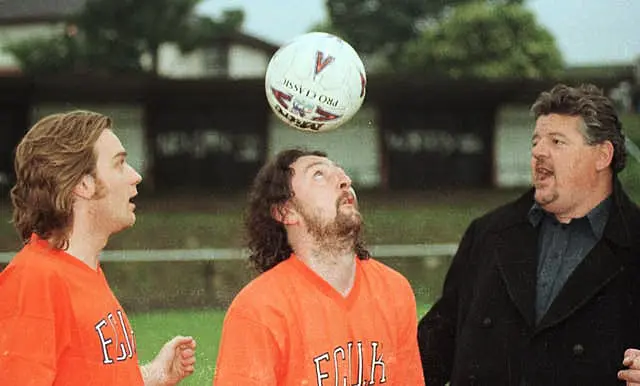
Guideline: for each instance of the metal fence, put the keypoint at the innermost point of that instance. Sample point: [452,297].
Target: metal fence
[142,255]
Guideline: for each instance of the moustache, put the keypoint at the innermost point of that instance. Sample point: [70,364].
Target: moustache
[542,168]
[346,198]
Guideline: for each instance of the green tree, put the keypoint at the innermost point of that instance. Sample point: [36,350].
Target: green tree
[119,32]
[112,36]
[485,40]
[43,54]
[382,27]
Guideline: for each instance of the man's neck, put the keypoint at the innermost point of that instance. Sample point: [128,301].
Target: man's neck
[337,267]
[585,206]
[86,246]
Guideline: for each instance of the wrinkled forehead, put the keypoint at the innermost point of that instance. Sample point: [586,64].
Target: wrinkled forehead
[306,162]
[553,123]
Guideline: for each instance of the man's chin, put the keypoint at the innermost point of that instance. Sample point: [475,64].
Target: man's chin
[128,223]
[544,198]
[354,220]
[350,226]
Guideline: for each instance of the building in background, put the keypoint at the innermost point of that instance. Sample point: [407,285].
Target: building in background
[205,124]
[22,19]
[235,55]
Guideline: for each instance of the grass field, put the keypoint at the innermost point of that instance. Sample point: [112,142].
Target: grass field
[215,221]
[153,329]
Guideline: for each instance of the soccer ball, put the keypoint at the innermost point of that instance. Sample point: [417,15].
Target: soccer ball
[316,82]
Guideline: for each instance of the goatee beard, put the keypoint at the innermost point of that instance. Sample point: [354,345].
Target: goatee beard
[341,235]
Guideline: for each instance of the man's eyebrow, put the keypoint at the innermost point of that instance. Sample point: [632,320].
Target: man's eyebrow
[551,134]
[122,154]
[558,134]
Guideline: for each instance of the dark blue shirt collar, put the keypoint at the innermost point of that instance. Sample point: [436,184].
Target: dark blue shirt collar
[597,217]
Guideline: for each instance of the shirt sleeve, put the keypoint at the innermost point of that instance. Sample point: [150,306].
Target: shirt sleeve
[30,340]
[248,353]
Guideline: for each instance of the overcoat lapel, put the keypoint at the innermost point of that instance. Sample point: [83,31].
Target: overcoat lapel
[516,253]
[594,272]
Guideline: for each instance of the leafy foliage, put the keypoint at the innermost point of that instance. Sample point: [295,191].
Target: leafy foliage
[454,38]
[113,35]
[43,54]
[485,40]
[373,26]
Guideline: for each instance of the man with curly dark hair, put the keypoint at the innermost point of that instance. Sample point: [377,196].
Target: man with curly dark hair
[322,311]
[544,290]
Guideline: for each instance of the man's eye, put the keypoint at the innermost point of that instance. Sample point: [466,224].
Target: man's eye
[318,174]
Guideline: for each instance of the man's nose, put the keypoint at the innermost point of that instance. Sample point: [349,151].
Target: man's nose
[539,150]
[345,181]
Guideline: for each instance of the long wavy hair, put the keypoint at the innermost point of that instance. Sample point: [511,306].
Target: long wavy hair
[267,237]
[601,122]
[50,161]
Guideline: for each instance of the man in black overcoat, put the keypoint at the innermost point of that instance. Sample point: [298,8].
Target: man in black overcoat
[545,290]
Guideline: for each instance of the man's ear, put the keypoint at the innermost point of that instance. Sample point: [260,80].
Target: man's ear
[284,213]
[605,155]
[86,188]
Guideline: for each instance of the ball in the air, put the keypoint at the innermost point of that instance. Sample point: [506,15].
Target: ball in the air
[316,82]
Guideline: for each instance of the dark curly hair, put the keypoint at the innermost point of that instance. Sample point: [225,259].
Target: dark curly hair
[597,111]
[267,238]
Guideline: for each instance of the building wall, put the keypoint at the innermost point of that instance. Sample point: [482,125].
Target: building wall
[247,62]
[514,127]
[242,62]
[174,64]
[206,144]
[13,33]
[431,146]
[14,119]
[128,122]
[355,145]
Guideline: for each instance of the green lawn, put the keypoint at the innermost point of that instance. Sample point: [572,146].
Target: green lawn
[153,329]
[215,221]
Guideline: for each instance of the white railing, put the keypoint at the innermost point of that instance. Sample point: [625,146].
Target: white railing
[378,251]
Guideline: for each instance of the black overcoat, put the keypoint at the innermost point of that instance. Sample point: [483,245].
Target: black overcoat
[482,331]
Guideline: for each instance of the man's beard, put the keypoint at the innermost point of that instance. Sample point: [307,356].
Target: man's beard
[341,233]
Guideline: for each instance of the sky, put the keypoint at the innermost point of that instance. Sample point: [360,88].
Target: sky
[586,31]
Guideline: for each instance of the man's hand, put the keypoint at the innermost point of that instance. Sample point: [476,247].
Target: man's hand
[174,362]
[632,361]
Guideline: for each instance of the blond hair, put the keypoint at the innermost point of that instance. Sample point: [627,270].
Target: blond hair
[51,159]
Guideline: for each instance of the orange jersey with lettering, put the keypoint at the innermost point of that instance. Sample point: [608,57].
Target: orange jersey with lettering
[60,323]
[290,327]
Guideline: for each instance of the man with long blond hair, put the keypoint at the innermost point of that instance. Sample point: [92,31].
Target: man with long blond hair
[60,323]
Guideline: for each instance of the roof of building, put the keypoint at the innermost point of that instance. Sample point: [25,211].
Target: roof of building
[14,12]
[246,40]
[32,11]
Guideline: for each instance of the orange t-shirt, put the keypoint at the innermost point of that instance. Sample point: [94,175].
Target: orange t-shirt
[60,324]
[290,327]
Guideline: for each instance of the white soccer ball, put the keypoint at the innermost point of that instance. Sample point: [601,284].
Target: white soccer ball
[316,82]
